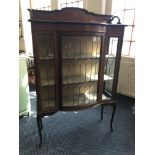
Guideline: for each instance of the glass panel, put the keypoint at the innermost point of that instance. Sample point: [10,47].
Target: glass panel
[129,17]
[77,71]
[132,50]
[133,34]
[48,96]
[110,66]
[45,49]
[45,46]
[74,47]
[126,48]
[118,4]
[127,33]
[47,72]
[80,66]
[79,94]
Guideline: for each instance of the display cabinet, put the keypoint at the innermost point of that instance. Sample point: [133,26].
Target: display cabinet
[77,57]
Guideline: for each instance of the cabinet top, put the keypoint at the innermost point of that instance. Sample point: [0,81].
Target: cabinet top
[72,15]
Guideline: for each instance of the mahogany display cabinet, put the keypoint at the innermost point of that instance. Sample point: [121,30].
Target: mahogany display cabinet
[77,57]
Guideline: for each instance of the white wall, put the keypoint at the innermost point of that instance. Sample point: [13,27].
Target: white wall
[126,81]
[96,6]
[54,4]
[21,40]
[25,4]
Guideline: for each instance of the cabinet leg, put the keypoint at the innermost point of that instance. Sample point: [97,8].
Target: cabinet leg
[40,126]
[101,112]
[112,117]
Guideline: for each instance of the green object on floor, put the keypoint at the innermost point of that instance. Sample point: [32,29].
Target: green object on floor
[24,99]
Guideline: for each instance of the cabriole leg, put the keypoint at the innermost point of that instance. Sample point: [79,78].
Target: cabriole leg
[112,117]
[40,126]
[101,111]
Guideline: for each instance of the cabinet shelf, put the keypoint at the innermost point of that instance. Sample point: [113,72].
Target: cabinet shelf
[75,80]
[46,58]
[86,83]
[79,79]
[83,56]
[84,79]
[81,60]
[110,56]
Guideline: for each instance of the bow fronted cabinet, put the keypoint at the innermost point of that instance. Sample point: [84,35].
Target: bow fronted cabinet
[77,57]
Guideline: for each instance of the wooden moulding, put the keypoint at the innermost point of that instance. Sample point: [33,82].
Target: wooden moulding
[69,15]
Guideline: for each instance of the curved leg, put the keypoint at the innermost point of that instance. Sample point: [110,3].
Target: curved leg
[40,126]
[101,112]
[112,117]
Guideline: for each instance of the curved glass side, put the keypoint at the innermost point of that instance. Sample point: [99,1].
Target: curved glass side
[110,67]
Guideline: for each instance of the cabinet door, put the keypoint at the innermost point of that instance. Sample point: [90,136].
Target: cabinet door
[45,71]
[80,67]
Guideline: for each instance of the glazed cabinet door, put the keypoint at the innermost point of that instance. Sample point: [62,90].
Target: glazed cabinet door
[80,67]
[45,71]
